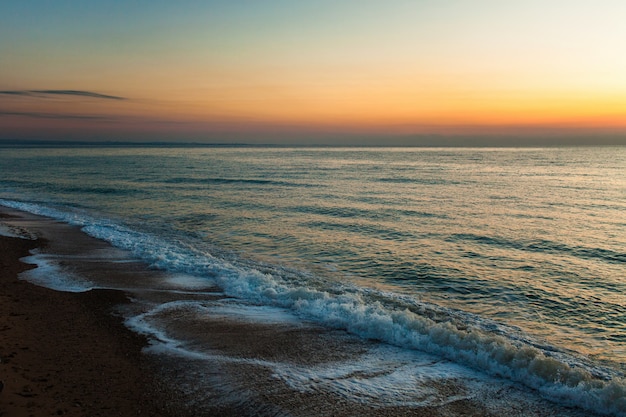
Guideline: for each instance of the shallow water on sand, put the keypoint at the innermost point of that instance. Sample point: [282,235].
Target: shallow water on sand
[506,261]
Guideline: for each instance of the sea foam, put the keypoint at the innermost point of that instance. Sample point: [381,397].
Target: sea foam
[50,275]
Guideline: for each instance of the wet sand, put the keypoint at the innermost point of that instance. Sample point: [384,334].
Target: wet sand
[65,353]
[70,354]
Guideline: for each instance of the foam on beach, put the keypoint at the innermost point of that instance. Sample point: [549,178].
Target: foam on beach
[9,231]
[50,275]
[377,374]
[371,375]
[183,282]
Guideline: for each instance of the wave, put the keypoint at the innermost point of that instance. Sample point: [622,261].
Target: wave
[420,181]
[227,181]
[335,211]
[360,228]
[73,189]
[352,212]
[546,246]
[464,338]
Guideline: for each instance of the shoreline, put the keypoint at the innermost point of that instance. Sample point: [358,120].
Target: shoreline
[70,353]
[66,353]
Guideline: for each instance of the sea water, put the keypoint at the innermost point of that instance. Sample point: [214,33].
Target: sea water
[509,262]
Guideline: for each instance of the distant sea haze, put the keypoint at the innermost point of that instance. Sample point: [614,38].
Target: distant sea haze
[295,139]
[507,261]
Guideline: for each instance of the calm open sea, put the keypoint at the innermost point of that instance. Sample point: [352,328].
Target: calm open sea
[508,261]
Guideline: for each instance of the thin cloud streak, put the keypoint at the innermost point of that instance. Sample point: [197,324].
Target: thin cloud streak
[39,115]
[79,93]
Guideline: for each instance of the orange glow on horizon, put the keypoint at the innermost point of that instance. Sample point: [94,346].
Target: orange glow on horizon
[347,67]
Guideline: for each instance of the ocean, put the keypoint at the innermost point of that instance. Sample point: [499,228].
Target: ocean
[506,263]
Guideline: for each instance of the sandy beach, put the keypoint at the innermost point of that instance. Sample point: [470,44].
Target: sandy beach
[66,353]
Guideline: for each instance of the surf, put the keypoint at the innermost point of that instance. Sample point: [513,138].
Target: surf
[407,322]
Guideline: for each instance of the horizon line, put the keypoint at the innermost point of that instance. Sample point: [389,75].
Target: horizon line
[43,143]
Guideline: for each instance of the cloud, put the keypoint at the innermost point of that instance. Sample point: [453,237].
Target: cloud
[40,115]
[80,93]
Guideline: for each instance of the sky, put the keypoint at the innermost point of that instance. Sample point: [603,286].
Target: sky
[314,72]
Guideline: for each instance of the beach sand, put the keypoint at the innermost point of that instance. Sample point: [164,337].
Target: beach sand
[70,354]
[65,353]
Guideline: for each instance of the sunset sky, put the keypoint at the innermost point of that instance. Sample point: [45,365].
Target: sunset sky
[341,71]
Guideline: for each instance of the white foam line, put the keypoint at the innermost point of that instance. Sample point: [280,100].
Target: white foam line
[385,374]
[7,231]
[48,274]
[172,291]
[14,231]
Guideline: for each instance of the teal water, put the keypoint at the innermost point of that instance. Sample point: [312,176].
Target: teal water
[512,261]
